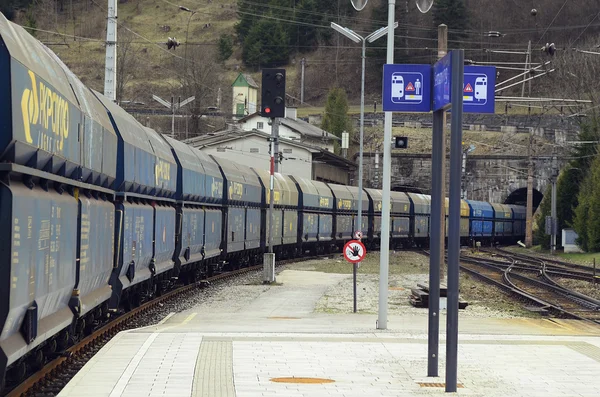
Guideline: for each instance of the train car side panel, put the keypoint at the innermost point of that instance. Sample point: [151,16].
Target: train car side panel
[290,227]
[236,221]
[310,227]
[252,228]
[212,232]
[164,238]
[325,227]
[192,235]
[134,229]
[44,118]
[422,213]
[40,230]
[96,251]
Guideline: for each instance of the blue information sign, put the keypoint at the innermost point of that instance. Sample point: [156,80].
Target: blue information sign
[442,82]
[479,95]
[406,88]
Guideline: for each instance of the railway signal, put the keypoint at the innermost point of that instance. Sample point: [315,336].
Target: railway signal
[401,142]
[273,93]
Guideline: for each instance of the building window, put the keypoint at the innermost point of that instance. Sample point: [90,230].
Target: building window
[287,150]
[254,150]
[259,125]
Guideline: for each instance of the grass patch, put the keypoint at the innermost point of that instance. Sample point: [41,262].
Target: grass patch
[586,258]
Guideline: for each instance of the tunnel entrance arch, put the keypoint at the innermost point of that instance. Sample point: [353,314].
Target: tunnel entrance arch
[519,197]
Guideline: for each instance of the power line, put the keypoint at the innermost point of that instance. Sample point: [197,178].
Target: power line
[556,16]
[588,25]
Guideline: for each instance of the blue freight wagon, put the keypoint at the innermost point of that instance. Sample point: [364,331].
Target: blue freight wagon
[481,220]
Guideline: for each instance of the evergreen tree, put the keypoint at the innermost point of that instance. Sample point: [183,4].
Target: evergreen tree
[569,183]
[308,35]
[539,234]
[266,45]
[335,119]
[587,213]
[225,47]
[454,14]
[247,17]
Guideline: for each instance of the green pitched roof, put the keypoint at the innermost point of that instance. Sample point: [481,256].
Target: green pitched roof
[244,80]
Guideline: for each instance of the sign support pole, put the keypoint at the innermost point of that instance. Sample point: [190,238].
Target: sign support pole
[354,266]
[454,220]
[438,160]
[273,139]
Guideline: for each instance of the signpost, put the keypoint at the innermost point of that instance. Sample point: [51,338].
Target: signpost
[354,252]
[407,89]
[478,93]
[447,86]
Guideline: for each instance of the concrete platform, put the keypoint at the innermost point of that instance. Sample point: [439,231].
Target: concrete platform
[241,350]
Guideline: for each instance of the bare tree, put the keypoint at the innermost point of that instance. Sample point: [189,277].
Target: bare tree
[576,73]
[128,61]
[199,76]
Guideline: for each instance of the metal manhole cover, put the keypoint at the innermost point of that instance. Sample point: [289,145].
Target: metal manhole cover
[302,380]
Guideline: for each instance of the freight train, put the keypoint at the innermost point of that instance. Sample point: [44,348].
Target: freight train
[99,213]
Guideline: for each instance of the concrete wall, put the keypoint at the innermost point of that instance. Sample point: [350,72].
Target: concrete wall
[254,152]
[330,173]
[488,178]
[246,95]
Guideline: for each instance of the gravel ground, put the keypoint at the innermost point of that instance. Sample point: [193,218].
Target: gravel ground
[216,297]
[583,287]
[407,269]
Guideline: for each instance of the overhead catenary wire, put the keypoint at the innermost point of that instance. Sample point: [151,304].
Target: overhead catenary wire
[583,31]
[552,22]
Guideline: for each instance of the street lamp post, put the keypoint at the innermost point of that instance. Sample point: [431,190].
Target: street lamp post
[187,30]
[352,35]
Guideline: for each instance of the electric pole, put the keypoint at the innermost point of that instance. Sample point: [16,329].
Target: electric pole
[529,219]
[553,211]
[110,71]
[303,63]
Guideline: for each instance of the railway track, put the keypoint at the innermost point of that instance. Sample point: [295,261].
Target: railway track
[54,376]
[572,268]
[516,274]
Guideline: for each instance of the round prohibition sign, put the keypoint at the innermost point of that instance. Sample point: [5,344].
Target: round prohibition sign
[354,251]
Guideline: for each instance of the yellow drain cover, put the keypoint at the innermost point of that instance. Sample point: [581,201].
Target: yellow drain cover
[283,318]
[302,380]
[425,384]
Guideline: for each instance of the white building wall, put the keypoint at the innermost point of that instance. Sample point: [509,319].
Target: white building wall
[262,124]
[254,152]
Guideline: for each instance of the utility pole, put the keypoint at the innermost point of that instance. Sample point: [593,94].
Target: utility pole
[553,211]
[529,219]
[527,68]
[303,62]
[174,106]
[110,72]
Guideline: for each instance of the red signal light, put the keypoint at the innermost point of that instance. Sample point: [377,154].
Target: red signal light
[267,110]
